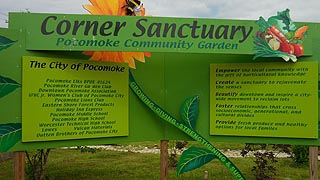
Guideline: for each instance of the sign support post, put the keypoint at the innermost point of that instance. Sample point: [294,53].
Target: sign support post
[164,160]
[19,165]
[313,162]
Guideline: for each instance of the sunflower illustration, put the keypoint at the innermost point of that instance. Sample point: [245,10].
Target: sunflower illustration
[116,8]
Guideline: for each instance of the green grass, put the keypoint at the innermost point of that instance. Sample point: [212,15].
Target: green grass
[110,165]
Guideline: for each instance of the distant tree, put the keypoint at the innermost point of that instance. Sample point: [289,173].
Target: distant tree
[6,17]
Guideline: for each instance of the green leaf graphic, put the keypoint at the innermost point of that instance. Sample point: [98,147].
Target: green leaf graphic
[201,156]
[283,22]
[7,85]
[5,42]
[262,49]
[193,158]
[189,111]
[10,134]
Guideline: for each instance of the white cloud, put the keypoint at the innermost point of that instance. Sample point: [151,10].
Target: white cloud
[56,6]
[252,9]
[40,6]
[307,10]
[183,8]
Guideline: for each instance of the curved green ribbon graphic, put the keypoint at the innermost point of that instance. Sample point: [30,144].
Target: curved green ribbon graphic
[193,134]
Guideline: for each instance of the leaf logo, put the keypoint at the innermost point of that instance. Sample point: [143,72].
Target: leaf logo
[5,42]
[7,86]
[10,134]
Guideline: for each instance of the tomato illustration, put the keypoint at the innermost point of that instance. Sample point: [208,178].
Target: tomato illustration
[285,47]
[298,49]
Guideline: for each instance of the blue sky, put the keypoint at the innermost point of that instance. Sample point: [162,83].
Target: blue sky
[301,10]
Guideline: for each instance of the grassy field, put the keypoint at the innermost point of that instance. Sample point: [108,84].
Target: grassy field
[71,164]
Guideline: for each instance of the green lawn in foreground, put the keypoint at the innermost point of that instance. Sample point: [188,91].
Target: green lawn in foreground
[110,165]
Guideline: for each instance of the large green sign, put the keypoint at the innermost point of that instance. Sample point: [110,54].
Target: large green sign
[167,77]
[199,82]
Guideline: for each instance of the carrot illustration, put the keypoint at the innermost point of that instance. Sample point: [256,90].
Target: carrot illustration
[272,30]
[300,32]
[277,34]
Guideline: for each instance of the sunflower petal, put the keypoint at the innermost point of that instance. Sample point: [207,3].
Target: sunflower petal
[105,7]
[113,7]
[110,56]
[131,63]
[96,56]
[147,54]
[143,11]
[92,9]
[121,9]
[94,3]
[139,56]
[88,53]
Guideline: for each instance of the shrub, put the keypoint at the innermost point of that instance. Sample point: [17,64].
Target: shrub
[265,157]
[300,154]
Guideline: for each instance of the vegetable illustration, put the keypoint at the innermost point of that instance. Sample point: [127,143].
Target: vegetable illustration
[286,47]
[276,34]
[274,44]
[298,49]
[279,37]
[300,32]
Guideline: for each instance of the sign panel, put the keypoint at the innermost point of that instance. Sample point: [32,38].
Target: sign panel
[167,78]
[114,33]
[264,99]
[72,99]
